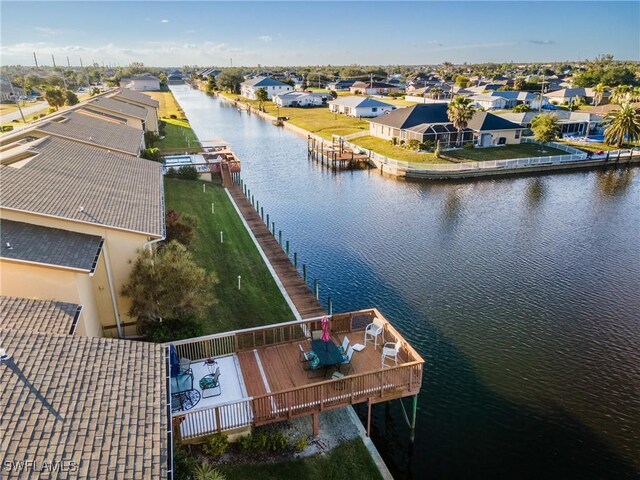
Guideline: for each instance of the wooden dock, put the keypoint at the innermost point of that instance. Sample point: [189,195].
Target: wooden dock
[336,155]
[297,289]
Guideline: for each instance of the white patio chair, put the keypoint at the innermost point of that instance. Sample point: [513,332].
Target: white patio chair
[374,330]
[390,351]
[346,360]
[345,345]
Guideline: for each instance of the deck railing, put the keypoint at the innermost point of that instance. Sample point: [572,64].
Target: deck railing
[219,418]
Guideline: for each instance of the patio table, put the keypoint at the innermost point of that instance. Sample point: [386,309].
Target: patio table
[327,352]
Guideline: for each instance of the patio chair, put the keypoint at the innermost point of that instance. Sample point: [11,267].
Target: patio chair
[374,330]
[314,366]
[176,402]
[345,345]
[185,365]
[346,360]
[305,356]
[316,334]
[182,383]
[211,382]
[390,351]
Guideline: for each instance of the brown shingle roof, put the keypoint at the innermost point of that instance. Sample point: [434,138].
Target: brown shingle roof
[38,316]
[86,128]
[97,402]
[113,189]
[118,106]
[127,94]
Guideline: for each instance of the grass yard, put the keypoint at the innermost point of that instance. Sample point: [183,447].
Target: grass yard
[178,131]
[383,147]
[168,104]
[597,146]
[259,302]
[349,461]
[505,152]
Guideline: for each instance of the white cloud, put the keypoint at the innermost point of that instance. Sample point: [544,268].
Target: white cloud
[543,42]
[265,38]
[164,20]
[51,32]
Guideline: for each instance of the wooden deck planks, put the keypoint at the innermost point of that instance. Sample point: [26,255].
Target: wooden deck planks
[297,289]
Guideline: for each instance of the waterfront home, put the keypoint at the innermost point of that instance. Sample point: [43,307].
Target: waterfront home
[249,88]
[430,123]
[374,88]
[65,185]
[359,107]
[141,83]
[140,100]
[116,110]
[82,127]
[340,85]
[82,406]
[489,102]
[570,95]
[571,123]
[300,99]
[210,73]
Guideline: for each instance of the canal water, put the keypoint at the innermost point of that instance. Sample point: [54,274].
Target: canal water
[521,294]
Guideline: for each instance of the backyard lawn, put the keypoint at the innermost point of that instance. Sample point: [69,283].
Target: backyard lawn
[349,461]
[383,147]
[178,131]
[505,152]
[168,104]
[599,146]
[259,302]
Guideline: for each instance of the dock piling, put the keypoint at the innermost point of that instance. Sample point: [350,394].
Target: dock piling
[330,307]
[304,272]
[295,260]
[287,249]
[315,288]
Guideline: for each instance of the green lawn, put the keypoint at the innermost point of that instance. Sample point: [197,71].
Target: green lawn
[177,134]
[259,302]
[168,104]
[383,147]
[505,152]
[349,461]
[597,147]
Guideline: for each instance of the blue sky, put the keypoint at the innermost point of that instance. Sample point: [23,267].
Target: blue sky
[312,33]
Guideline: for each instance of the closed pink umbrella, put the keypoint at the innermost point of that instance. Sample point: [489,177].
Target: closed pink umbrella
[325,329]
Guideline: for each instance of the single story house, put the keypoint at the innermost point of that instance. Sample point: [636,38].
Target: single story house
[249,88]
[374,88]
[141,83]
[8,92]
[141,100]
[571,123]
[570,95]
[489,102]
[430,123]
[112,109]
[359,107]
[340,85]
[300,99]
[514,98]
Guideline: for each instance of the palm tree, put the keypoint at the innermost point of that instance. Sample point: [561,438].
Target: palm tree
[436,92]
[599,91]
[621,94]
[460,111]
[621,124]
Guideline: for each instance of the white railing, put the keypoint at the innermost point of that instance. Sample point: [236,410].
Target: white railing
[364,133]
[219,418]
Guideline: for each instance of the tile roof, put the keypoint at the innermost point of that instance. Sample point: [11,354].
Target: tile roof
[51,246]
[117,106]
[99,403]
[113,189]
[359,102]
[264,82]
[125,94]
[87,128]
[38,316]
[483,121]
[417,114]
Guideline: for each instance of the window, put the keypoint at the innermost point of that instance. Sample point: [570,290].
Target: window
[374,109]
[517,133]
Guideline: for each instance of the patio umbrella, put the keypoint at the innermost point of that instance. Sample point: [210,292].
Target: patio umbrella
[325,329]
[174,362]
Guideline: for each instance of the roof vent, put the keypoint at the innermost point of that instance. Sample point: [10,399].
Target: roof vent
[9,246]
[81,209]
[3,355]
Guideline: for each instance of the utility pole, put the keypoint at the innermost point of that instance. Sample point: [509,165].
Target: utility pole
[68,63]
[81,66]
[35,59]
[53,60]
[17,101]
[231,62]
[541,94]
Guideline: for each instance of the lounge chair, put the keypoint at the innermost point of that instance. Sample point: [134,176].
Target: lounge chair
[390,351]
[374,330]
[211,382]
[345,345]
[182,383]
[346,360]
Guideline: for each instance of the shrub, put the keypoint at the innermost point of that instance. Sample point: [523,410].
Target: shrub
[186,172]
[204,471]
[413,144]
[51,110]
[216,445]
[151,154]
[469,145]
[162,128]
[180,227]
[262,442]
[300,444]
[42,115]
[183,463]
[170,329]
[278,442]
[150,138]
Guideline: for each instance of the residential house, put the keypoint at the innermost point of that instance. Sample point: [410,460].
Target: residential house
[8,92]
[489,102]
[141,83]
[373,88]
[249,88]
[300,99]
[359,107]
[570,95]
[140,100]
[84,407]
[210,72]
[82,127]
[430,123]
[514,98]
[66,185]
[117,110]
[571,123]
[340,85]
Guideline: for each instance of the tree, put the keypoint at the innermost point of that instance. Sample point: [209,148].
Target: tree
[333,94]
[262,96]
[521,108]
[545,128]
[55,97]
[167,284]
[460,111]
[94,91]
[150,138]
[519,83]
[436,92]
[621,94]
[180,227]
[230,80]
[163,78]
[304,84]
[151,154]
[622,124]
[462,81]
[70,98]
[599,91]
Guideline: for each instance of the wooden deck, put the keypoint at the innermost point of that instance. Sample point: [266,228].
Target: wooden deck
[277,385]
[336,155]
[296,287]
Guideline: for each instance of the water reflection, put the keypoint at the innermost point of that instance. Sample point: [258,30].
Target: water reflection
[535,191]
[614,181]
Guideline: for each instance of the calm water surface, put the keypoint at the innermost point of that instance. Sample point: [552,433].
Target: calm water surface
[521,294]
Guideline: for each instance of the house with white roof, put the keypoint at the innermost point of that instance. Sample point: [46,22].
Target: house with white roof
[360,107]
[301,99]
[249,88]
[141,83]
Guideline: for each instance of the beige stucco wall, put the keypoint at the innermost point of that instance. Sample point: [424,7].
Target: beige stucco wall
[384,132]
[510,135]
[120,248]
